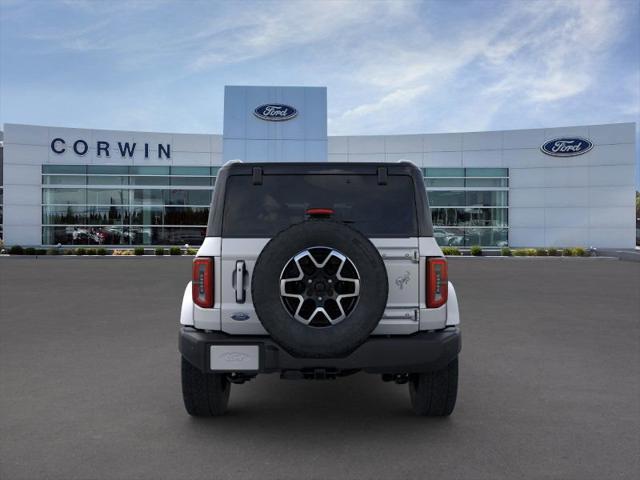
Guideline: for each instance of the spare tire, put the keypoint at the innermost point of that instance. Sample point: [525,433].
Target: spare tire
[319,288]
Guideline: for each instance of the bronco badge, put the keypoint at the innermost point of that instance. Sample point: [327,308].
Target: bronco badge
[403,280]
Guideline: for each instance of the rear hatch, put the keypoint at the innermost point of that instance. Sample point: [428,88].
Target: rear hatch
[381,205]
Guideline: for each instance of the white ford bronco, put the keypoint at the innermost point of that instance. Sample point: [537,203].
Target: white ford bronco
[315,271]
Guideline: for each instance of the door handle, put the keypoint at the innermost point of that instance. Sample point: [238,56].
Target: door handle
[240,294]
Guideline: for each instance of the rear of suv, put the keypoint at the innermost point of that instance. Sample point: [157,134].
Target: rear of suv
[319,270]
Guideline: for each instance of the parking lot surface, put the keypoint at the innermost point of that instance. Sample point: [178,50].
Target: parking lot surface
[90,387]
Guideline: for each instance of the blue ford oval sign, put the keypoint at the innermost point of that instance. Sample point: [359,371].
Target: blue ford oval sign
[240,316]
[275,112]
[566,146]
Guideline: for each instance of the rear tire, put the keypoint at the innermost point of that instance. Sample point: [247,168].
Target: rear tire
[204,394]
[433,394]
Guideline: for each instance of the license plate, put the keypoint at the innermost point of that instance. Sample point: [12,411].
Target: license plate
[234,357]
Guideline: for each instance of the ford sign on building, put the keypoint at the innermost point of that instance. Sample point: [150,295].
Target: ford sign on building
[566,147]
[275,112]
[543,187]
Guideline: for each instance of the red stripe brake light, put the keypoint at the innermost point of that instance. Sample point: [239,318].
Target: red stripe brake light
[437,282]
[320,212]
[202,282]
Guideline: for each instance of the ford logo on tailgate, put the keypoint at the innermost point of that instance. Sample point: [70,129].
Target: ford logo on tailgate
[566,146]
[275,112]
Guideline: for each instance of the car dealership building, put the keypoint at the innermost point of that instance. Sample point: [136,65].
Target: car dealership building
[568,186]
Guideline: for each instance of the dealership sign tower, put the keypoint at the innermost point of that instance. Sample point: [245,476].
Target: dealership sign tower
[275,124]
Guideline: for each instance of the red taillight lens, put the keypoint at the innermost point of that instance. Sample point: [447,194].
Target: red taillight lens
[202,282]
[320,212]
[437,282]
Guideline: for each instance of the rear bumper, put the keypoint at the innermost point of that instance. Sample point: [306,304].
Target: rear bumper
[420,352]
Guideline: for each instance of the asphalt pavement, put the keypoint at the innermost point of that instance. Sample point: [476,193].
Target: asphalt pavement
[90,387]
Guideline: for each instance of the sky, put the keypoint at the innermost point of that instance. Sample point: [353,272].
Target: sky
[390,67]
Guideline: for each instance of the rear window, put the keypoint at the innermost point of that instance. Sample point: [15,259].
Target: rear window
[281,200]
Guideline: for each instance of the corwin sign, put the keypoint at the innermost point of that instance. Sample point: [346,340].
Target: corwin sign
[566,146]
[125,149]
[275,112]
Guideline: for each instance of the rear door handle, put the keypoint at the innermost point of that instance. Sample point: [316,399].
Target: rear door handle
[240,294]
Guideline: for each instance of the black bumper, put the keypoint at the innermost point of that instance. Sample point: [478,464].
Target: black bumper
[420,352]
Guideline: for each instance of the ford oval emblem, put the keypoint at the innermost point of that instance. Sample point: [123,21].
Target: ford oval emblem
[240,316]
[566,146]
[275,112]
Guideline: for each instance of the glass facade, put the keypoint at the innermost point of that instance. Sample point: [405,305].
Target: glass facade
[469,206]
[125,205]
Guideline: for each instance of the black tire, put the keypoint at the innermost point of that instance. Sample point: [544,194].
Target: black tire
[331,341]
[204,394]
[433,394]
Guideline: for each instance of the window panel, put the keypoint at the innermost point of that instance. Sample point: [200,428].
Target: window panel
[187,197]
[107,180]
[111,215]
[452,237]
[448,216]
[108,235]
[487,172]
[108,170]
[444,182]
[149,170]
[64,180]
[470,236]
[444,172]
[82,236]
[179,235]
[469,216]
[186,215]
[199,197]
[487,182]
[107,196]
[200,171]
[145,235]
[486,198]
[147,196]
[147,215]
[64,215]
[62,235]
[441,198]
[497,237]
[191,181]
[80,169]
[150,181]
[64,195]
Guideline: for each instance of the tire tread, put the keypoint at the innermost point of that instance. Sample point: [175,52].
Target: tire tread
[204,394]
[433,394]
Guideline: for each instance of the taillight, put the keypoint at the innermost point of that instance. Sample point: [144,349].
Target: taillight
[202,282]
[320,212]
[437,282]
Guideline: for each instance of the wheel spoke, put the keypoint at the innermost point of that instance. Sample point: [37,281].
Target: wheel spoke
[316,285]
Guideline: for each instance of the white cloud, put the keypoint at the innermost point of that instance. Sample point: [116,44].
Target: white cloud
[551,56]
[285,26]
[531,52]
[396,98]
[391,66]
